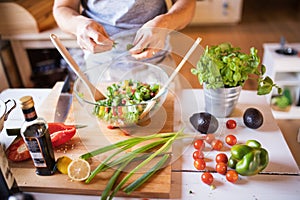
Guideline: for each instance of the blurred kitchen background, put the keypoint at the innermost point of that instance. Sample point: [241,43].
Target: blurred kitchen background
[28,58]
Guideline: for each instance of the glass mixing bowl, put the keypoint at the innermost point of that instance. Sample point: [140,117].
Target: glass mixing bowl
[114,73]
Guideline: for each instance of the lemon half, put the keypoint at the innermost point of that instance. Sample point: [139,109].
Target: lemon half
[62,164]
[79,170]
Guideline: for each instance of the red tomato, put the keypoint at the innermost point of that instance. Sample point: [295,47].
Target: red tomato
[199,144]
[230,140]
[217,145]
[207,178]
[198,154]
[232,176]
[18,151]
[221,157]
[209,138]
[231,124]
[221,168]
[199,164]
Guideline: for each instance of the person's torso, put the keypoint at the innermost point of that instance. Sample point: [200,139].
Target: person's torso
[119,15]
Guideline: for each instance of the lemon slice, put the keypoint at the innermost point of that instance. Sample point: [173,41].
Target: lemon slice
[79,170]
[62,164]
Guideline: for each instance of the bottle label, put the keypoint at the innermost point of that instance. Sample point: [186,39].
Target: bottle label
[8,176]
[34,148]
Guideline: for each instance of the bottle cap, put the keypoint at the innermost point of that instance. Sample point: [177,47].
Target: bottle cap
[26,102]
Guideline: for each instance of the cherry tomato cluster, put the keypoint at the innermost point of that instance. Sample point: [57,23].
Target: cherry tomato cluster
[231,139]
[221,159]
[221,168]
[198,156]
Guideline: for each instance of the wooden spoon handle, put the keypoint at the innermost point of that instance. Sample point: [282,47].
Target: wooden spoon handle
[71,62]
[152,102]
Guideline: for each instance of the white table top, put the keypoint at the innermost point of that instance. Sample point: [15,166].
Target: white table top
[186,182]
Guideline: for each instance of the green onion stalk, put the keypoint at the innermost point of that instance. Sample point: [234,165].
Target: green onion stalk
[162,144]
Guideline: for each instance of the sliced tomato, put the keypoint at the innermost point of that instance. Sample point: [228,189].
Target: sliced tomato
[18,151]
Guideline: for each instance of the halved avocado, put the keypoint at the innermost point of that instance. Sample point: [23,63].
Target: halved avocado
[204,122]
[253,118]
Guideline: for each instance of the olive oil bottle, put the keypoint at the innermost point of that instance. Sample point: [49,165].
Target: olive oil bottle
[37,138]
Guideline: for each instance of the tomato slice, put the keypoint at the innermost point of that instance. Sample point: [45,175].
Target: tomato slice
[18,151]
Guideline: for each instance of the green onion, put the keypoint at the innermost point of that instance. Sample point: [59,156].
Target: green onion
[137,183]
[162,140]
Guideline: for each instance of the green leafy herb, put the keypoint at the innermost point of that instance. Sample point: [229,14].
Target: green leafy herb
[226,66]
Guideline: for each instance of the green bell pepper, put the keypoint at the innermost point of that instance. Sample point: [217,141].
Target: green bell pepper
[248,159]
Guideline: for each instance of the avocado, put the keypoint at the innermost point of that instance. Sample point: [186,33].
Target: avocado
[204,122]
[253,118]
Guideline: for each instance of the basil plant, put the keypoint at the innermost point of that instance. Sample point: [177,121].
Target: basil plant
[226,66]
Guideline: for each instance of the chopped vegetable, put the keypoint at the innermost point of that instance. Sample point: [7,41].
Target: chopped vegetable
[124,102]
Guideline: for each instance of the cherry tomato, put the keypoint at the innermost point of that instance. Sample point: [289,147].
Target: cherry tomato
[207,178]
[199,144]
[231,124]
[217,145]
[198,154]
[209,138]
[221,168]
[232,176]
[230,140]
[221,157]
[199,164]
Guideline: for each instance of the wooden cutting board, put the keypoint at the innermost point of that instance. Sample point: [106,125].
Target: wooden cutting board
[89,138]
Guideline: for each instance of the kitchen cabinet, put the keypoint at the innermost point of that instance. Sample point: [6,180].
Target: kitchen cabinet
[285,72]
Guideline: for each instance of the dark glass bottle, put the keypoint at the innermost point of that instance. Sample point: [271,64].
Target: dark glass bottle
[8,184]
[36,135]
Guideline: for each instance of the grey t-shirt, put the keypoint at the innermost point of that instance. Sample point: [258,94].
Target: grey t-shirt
[121,20]
[122,15]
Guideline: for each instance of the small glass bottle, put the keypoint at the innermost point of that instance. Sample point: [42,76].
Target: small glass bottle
[36,135]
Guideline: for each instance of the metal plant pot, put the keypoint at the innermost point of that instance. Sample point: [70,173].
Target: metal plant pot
[222,101]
